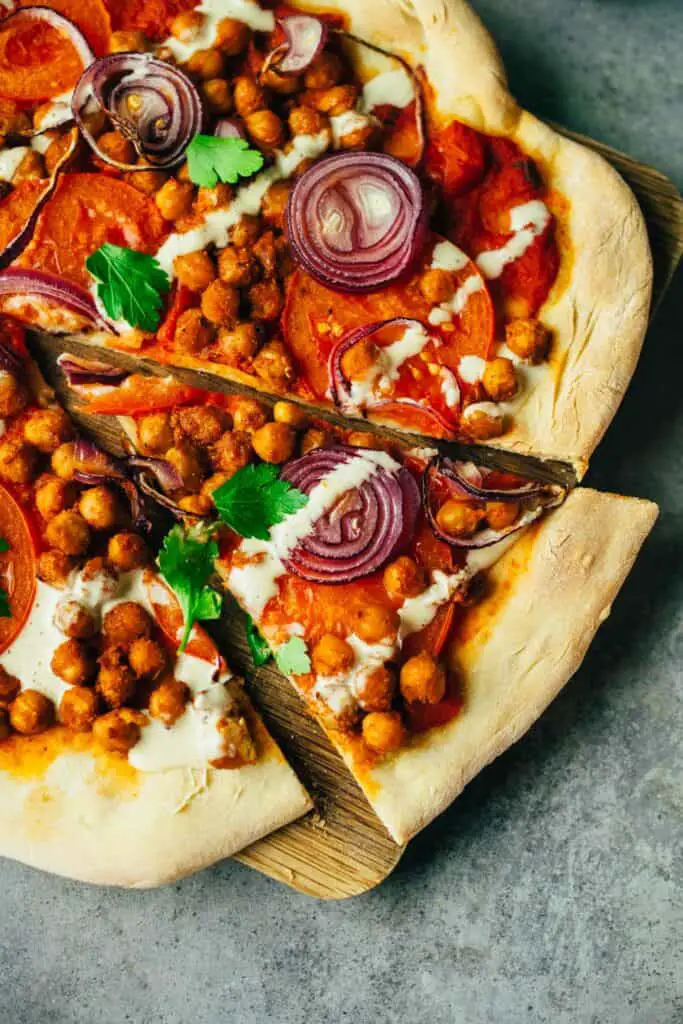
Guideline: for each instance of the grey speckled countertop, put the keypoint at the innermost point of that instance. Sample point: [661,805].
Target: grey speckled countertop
[552,891]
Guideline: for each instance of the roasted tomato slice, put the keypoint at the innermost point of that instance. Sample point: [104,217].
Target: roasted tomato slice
[169,616]
[456,158]
[18,569]
[90,16]
[137,395]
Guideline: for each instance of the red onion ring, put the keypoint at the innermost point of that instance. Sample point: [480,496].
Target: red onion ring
[94,466]
[166,475]
[356,221]
[305,37]
[366,527]
[470,479]
[164,117]
[229,128]
[54,290]
[10,361]
[17,244]
[89,371]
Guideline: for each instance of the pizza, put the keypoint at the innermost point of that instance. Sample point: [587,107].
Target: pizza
[343,207]
[342,218]
[129,752]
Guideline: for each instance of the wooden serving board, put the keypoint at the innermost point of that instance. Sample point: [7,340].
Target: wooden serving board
[341,849]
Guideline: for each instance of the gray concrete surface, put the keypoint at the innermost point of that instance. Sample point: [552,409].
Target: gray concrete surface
[551,893]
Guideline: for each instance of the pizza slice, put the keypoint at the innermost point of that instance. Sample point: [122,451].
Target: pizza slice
[348,209]
[129,752]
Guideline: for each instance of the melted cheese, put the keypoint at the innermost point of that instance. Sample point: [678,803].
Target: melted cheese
[214,12]
[527,222]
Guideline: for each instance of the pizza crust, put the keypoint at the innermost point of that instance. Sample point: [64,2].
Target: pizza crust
[517,649]
[94,823]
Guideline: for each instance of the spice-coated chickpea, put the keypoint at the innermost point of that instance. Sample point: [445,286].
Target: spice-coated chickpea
[292,415]
[528,339]
[459,518]
[375,622]
[501,514]
[63,460]
[115,681]
[202,424]
[215,198]
[274,365]
[248,95]
[266,300]
[232,36]
[231,453]
[383,731]
[155,433]
[127,42]
[115,732]
[74,620]
[18,461]
[246,231]
[337,100]
[53,495]
[127,551]
[149,180]
[274,442]
[31,712]
[483,423]
[9,686]
[78,708]
[265,252]
[167,702]
[275,203]
[332,655]
[324,72]
[213,483]
[220,304]
[248,415]
[196,504]
[306,121]
[236,266]
[217,94]
[315,437]
[54,567]
[192,333]
[363,439]
[206,64]
[146,658]
[423,680]
[404,578]
[376,690]
[499,379]
[174,199]
[69,532]
[126,622]
[236,740]
[46,429]
[436,285]
[185,459]
[118,147]
[237,345]
[13,394]
[195,270]
[265,128]
[99,507]
[73,663]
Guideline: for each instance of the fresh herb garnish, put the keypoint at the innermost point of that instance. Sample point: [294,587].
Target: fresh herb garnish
[255,498]
[130,285]
[258,645]
[292,658]
[186,561]
[211,159]
[4,545]
[5,610]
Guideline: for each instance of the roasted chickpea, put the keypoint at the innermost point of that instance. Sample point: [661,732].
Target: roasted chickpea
[13,394]
[332,655]
[185,26]
[375,623]
[218,96]
[213,198]
[73,663]
[53,495]
[74,619]
[126,622]
[147,181]
[290,414]
[249,415]
[63,461]
[9,686]
[528,339]
[383,731]
[266,300]
[5,727]
[47,429]
[324,72]
[266,253]
[174,199]
[220,304]
[483,420]
[436,285]
[195,270]
[168,701]
[230,453]
[127,551]
[54,567]
[274,442]
[459,518]
[274,365]
[196,504]
[115,732]
[360,359]
[236,267]
[31,712]
[99,507]
[248,95]
[78,708]
[245,231]
[359,134]
[306,121]
[31,168]
[232,36]
[265,128]
[404,578]
[118,147]
[206,64]
[115,681]
[192,333]
[237,345]
[315,437]
[127,42]
[69,532]
[18,462]
[202,424]
[213,483]
[376,690]
[499,380]
[336,100]
[185,458]
[501,514]
[275,203]
[146,658]
[155,433]
[423,679]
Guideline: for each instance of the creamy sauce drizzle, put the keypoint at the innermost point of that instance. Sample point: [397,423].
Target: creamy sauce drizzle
[10,160]
[395,88]
[527,222]
[214,12]
[389,362]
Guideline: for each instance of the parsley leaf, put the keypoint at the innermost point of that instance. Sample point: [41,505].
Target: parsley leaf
[211,160]
[130,285]
[258,645]
[5,610]
[254,499]
[186,563]
[4,545]
[292,658]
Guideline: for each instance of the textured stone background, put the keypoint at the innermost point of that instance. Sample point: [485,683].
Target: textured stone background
[552,891]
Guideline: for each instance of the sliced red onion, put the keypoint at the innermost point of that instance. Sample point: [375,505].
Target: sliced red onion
[10,361]
[441,426]
[305,37]
[166,475]
[89,371]
[340,384]
[151,102]
[229,128]
[17,244]
[366,527]
[94,466]
[36,284]
[357,221]
[471,479]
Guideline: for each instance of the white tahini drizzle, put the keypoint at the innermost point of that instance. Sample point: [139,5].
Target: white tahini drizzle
[450,258]
[395,87]
[341,692]
[390,359]
[471,369]
[10,160]
[527,222]
[214,12]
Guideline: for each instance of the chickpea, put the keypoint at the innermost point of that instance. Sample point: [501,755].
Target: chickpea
[528,339]
[292,415]
[69,532]
[280,82]
[375,623]
[127,551]
[47,429]
[5,727]
[196,504]
[306,121]
[97,570]
[266,253]
[78,708]
[274,365]
[383,731]
[376,690]
[266,300]
[31,168]
[423,679]
[459,518]
[118,147]
[499,380]
[275,203]
[248,95]
[501,514]
[174,199]
[483,421]
[13,394]
[265,128]
[186,26]
[274,442]
[147,181]
[155,434]
[404,578]
[192,333]
[116,733]
[115,681]
[185,458]
[206,64]
[336,100]
[436,285]
[131,41]
[18,462]
[72,663]
[213,198]
[232,36]
[168,701]
[361,136]
[126,622]
[74,619]
[315,437]
[31,712]
[54,567]
[195,270]
[324,72]
[53,495]
[231,453]
[99,507]
[203,424]
[236,267]
[9,686]
[245,231]
[236,346]
[360,359]
[220,304]
[332,655]
[217,95]
[146,658]
[249,415]
[212,484]
[63,461]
